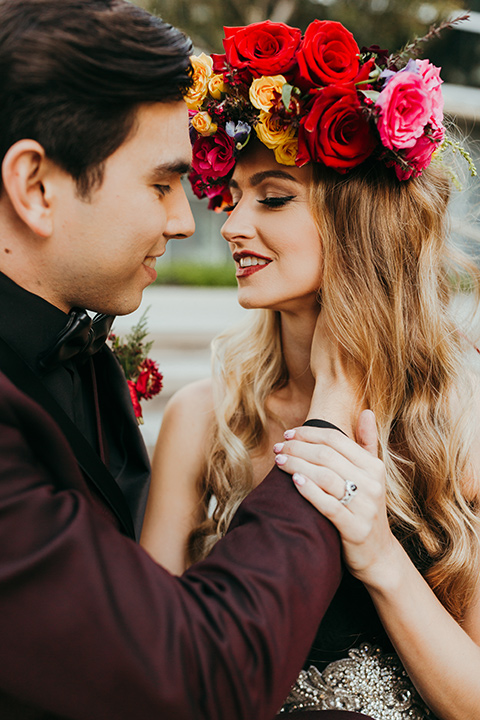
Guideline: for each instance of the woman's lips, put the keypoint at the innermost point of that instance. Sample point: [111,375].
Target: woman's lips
[246,271]
[249,263]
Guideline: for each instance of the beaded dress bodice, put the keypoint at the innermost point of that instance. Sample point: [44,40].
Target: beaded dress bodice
[353,666]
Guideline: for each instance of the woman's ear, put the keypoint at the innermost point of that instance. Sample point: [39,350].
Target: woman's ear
[24,171]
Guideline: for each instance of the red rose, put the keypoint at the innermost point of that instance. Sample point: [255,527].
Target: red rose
[219,63]
[214,155]
[150,380]
[197,185]
[135,401]
[335,132]
[264,48]
[328,55]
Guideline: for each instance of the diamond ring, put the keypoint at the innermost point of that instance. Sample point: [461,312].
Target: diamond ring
[350,491]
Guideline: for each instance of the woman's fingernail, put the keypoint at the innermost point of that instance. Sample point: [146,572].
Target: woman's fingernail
[289,434]
[298,479]
[278,447]
[280,459]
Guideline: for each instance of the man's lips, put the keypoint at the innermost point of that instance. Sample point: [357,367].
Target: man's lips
[149,265]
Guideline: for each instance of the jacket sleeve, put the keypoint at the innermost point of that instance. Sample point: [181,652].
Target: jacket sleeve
[92,628]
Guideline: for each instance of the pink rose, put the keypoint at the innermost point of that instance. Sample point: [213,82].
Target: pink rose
[213,156]
[405,108]
[419,156]
[335,132]
[432,80]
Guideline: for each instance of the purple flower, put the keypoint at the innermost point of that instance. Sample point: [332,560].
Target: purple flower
[240,132]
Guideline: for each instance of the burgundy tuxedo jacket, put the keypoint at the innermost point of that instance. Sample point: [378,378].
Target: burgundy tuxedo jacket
[92,629]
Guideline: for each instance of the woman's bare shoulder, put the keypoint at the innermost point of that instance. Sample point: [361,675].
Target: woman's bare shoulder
[196,396]
[191,407]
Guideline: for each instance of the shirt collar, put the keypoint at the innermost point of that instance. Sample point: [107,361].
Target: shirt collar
[28,323]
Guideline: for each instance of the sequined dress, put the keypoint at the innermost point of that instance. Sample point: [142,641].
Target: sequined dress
[353,666]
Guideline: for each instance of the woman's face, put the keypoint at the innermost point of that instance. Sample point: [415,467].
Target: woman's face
[272,234]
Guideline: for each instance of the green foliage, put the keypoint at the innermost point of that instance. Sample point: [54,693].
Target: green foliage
[132,350]
[188,273]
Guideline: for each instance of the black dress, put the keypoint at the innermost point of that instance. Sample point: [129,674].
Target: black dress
[353,666]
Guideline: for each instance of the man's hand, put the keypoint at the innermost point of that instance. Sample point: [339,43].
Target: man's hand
[345,481]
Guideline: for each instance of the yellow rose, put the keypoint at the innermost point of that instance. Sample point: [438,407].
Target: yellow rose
[272,132]
[216,87]
[202,122]
[202,72]
[262,89]
[286,153]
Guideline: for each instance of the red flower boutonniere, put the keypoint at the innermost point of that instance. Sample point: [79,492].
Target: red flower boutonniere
[143,376]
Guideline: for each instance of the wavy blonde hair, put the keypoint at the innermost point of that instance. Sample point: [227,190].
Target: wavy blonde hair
[386,295]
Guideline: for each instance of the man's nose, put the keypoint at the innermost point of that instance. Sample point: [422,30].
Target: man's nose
[181,223]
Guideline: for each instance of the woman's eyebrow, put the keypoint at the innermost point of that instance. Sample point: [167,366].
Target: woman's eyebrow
[259,177]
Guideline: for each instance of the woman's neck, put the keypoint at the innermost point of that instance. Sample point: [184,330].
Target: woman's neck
[297,334]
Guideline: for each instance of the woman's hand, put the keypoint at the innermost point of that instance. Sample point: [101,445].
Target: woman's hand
[345,481]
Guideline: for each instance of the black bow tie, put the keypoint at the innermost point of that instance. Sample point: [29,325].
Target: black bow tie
[80,338]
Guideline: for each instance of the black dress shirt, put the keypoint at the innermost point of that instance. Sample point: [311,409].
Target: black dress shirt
[29,324]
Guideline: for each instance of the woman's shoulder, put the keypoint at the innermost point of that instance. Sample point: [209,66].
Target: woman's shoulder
[193,403]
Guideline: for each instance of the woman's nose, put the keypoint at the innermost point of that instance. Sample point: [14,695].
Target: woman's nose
[237,226]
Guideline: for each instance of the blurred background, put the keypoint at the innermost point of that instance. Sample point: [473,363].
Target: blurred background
[204,258]
[195,296]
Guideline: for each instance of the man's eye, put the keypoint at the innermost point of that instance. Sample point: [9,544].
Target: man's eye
[163,189]
[274,201]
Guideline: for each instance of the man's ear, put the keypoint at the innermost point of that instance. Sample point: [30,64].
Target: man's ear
[24,170]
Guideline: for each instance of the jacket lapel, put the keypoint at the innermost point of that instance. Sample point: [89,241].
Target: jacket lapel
[17,370]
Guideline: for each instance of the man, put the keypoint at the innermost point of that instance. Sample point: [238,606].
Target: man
[94,140]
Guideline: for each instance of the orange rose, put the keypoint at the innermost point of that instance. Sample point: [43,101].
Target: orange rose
[262,91]
[273,132]
[202,123]
[202,72]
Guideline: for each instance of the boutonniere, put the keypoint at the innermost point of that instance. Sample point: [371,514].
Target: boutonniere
[143,375]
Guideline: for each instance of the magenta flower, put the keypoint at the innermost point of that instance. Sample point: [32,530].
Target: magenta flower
[405,106]
[419,156]
[213,156]
[431,77]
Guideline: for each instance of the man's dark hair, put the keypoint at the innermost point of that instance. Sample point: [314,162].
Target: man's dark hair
[73,72]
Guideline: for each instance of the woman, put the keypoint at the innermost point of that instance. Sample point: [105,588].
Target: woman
[343,256]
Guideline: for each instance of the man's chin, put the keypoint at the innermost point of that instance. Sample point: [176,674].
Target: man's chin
[119,306]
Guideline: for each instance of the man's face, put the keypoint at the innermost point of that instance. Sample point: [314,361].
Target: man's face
[102,252]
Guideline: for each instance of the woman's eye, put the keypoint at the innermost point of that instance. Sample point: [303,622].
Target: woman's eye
[229,208]
[275,202]
[163,189]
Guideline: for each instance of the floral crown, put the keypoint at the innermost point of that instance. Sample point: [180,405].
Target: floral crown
[313,98]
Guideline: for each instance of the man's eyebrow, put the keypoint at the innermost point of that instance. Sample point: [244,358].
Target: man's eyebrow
[259,177]
[177,167]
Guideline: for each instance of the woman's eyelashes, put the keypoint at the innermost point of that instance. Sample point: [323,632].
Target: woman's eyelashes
[272,202]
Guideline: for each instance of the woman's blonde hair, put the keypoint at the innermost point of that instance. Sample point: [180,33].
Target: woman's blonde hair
[386,295]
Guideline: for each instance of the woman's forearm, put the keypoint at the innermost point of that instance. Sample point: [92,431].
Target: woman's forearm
[440,658]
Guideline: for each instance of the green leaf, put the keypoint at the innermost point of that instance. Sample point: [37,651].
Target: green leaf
[287,95]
